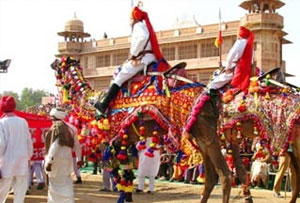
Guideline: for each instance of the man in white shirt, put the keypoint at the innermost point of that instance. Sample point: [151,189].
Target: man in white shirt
[148,167]
[59,141]
[15,151]
[144,50]
[238,63]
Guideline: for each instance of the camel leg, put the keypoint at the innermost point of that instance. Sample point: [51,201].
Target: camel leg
[211,177]
[205,132]
[241,173]
[295,166]
[218,160]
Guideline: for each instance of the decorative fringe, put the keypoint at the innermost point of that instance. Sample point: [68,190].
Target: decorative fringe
[151,111]
[196,109]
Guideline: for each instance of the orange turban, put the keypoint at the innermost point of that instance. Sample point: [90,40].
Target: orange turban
[7,104]
[244,32]
[138,14]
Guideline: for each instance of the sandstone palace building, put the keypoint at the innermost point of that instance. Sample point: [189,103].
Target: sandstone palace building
[193,44]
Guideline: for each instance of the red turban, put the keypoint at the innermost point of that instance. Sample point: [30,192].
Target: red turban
[7,104]
[244,32]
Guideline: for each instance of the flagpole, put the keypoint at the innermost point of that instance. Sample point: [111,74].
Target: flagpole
[220,45]
[131,4]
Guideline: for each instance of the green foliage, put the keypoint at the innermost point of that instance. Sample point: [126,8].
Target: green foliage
[28,98]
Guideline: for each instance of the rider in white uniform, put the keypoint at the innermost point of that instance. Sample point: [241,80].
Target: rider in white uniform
[238,63]
[141,56]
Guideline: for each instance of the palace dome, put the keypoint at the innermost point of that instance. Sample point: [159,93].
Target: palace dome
[74,25]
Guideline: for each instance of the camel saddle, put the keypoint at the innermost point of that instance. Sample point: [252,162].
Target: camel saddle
[173,74]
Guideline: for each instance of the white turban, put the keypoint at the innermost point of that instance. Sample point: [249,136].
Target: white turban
[58,113]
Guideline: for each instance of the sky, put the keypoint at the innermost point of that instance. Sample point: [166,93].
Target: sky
[28,30]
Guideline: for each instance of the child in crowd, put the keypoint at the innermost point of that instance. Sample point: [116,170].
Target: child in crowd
[259,170]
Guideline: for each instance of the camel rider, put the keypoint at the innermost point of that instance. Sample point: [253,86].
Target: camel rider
[238,63]
[144,50]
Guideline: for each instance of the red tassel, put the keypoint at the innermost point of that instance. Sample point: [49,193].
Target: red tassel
[242,108]
[149,154]
[121,157]
[141,147]
[155,139]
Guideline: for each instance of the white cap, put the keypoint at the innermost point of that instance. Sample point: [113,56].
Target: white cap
[58,113]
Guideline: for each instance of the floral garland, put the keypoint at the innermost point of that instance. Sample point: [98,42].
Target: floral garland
[274,115]
[199,103]
[293,120]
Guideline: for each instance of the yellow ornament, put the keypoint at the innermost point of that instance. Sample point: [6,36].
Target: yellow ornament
[267,96]
[106,121]
[94,122]
[100,126]
[106,127]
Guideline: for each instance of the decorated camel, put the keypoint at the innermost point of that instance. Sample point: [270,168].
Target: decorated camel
[268,112]
[151,108]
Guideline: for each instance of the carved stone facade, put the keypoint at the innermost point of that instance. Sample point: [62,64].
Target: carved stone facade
[192,44]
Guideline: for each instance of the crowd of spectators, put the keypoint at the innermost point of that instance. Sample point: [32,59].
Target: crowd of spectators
[42,110]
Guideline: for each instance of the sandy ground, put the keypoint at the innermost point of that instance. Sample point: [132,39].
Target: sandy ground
[165,192]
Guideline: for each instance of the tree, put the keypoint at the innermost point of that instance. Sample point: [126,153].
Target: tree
[30,97]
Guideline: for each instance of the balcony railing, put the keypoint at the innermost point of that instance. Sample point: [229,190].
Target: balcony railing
[69,46]
[264,19]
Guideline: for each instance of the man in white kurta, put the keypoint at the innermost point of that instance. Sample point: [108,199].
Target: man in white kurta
[139,44]
[59,163]
[234,55]
[148,167]
[238,66]
[15,152]
[141,56]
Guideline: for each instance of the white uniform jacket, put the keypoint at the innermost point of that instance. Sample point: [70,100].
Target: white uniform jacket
[235,53]
[15,146]
[233,57]
[139,39]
